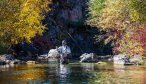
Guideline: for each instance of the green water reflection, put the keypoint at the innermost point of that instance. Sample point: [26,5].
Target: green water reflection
[74,73]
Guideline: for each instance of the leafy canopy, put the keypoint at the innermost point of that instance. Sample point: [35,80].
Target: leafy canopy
[21,19]
[122,19]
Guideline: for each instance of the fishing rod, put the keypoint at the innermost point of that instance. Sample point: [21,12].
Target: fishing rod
[74,41]
[68,34]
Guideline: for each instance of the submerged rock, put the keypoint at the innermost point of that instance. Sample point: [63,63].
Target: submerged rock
[31,62]
[102,63]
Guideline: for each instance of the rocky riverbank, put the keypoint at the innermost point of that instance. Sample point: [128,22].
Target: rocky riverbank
[8,59]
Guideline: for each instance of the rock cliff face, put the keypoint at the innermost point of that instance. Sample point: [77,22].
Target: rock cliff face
[66,21]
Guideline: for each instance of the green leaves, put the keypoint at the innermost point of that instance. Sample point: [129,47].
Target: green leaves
[138,10]
[95,9]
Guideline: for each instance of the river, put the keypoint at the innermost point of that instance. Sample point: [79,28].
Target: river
[73,73]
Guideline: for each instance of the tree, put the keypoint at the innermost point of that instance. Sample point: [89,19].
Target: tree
[122,19]
[21,19]
[30,19]
[95,9]
[8,9]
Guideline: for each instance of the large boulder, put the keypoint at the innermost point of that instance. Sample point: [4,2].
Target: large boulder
[8,59]
[87,57]
[135,59]
[53,53]
[42,57]
[121,59]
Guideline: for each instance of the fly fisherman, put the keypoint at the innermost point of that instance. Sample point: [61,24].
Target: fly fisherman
[65,52]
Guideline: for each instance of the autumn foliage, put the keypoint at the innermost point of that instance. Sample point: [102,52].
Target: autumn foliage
[124,20]
[21,19]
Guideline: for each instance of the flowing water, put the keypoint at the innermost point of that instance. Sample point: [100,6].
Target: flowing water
[73,73]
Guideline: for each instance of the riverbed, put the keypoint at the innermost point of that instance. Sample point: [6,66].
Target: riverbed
[73,73]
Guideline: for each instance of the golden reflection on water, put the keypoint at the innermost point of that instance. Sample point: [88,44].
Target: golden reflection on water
[32,73]
[81,73]
[130,74]
[20,73]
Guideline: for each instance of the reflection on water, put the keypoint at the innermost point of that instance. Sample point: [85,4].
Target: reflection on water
[74,73]
[64,71]
[6,67]
[87,66]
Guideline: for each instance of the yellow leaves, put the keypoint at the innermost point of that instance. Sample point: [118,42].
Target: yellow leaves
[138,10]
[114,14]
[127,36]
[134,15]
[22,19]
[108,40]
[121,15]
[30,18]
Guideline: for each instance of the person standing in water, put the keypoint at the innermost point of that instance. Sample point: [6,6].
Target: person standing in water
[65,52]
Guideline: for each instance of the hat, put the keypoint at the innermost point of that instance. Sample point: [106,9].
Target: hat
[63,42]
